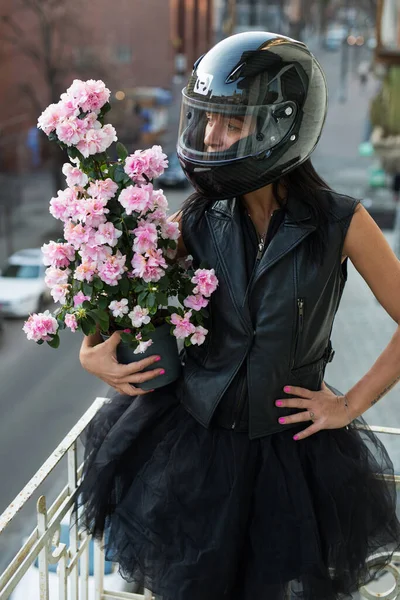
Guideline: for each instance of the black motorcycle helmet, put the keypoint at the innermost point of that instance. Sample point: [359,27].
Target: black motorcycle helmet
[253,109]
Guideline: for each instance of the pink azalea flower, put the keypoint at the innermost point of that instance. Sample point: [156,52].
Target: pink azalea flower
[104,190]
[196,302]
[60,206]
[199,336]
[70,131]
[119,308]
[50,118]
[150,162]
[60,292]
[142,346]
[149,267]
[56,276]
[183,326]
[74,176]
[90,95]
[92,208]
[186,261]
[109,136]
[41,326]
[57,255]
[71,322]
[139,316]
[136,164]
[160,200]
[112,269]
[107,234]
[91,143]
[138,263]
[145,237]
[80,298]
[95,253]
[158,161]
[206,282]
[170,230]
[158,216]
[76,235]
[69,106]
[137,199]
[85,271]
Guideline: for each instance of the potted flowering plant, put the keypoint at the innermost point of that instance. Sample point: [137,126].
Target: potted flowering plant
[114,268]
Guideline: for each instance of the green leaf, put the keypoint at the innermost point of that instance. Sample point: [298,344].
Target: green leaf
[88,326]
[162,299]
[55,341]
[102,302]
[151,299]
[40,342]
[124,286]
[61,324]
[98,284]
[105,108]
[130,222]
[122,152]
[87,289]
[126,337]
[119,174]
[187,342]
[142,298]
[101,317]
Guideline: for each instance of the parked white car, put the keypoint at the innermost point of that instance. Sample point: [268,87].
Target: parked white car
[29,586]
[22,287]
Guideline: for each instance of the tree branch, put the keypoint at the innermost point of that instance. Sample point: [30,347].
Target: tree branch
[18,40]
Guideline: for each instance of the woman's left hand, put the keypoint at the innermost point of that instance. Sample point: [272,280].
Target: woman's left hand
[324,408]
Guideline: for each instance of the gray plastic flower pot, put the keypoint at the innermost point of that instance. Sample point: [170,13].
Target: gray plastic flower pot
[164,345]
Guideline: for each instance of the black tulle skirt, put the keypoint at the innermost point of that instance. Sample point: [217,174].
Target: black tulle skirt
[207,514]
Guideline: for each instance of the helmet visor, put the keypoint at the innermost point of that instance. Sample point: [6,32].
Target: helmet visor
[218,133]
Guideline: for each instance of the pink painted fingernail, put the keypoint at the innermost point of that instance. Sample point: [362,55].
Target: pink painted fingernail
[296,437]
[279,403]
[162,371]
[157,359]
[286,388]
[282,420]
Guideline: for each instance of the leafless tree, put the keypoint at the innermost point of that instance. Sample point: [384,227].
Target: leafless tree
[46,32]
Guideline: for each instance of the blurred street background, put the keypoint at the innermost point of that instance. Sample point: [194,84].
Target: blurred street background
[144,51]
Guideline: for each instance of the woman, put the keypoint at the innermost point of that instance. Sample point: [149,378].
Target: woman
[248,477]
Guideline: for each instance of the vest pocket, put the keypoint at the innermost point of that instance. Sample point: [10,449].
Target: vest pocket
[299,329]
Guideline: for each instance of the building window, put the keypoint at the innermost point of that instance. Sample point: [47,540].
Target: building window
[123,54]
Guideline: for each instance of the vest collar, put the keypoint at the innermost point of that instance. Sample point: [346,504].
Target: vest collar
[297,212]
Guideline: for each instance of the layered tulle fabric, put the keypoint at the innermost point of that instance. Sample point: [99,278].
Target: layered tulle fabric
[207,514]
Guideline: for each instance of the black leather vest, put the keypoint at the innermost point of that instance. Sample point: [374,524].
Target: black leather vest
[279,323]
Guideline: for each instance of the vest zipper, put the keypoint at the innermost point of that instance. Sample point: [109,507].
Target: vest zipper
[261,245]
[299,327]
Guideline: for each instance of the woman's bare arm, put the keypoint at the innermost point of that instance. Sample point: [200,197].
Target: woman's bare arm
[369,251]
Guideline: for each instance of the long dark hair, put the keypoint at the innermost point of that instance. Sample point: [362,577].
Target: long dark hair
[305,185]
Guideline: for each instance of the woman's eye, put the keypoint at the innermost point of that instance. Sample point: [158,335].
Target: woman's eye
[232,127]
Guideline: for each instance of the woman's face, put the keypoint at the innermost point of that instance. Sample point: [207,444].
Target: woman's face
[223,131]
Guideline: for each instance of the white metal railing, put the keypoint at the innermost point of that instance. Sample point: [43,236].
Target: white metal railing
[45,546]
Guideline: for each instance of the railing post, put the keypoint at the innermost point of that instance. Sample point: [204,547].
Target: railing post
[73,531]
[44,553]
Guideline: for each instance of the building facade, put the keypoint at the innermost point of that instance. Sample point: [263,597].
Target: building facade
[135,46]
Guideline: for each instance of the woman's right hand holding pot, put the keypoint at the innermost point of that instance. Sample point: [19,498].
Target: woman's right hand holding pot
[100,358]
